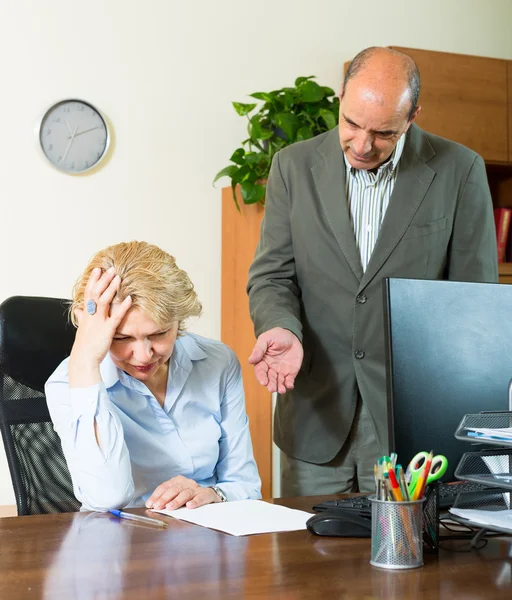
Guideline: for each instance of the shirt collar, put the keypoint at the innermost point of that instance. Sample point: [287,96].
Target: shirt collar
[186,349]
[392,161]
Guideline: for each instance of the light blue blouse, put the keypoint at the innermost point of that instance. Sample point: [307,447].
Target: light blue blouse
[202,432]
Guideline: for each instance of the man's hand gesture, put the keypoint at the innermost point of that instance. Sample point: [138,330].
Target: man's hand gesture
[277,357]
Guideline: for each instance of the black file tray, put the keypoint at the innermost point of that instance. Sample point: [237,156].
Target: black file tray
[490,467]
[487,420]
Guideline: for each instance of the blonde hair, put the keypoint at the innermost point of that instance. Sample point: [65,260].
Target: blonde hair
[150,276]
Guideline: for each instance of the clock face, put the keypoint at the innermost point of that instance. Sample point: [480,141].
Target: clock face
[74,136]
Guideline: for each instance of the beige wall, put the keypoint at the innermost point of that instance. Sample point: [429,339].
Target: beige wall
[164,72]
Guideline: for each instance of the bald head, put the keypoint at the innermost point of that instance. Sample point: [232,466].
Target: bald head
[378,105]
[392,77]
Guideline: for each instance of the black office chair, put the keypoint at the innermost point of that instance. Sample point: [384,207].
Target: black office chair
[35,336]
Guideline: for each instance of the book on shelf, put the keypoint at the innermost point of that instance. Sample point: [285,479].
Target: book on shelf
[502,221]
[508,248]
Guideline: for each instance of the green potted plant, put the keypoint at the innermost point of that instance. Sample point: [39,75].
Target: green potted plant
[288,115]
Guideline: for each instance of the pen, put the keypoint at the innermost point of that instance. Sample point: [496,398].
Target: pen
[395,488]
[484,436]
[124,515]
[388,487]
[405,490]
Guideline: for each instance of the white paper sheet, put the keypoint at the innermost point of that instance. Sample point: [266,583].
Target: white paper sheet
[243,517]
[500,433]
[499,518]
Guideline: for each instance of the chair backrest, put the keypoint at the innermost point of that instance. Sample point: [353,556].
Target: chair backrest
[449,353]
[35,336]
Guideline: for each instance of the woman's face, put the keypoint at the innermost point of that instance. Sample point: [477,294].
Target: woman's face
[141,348]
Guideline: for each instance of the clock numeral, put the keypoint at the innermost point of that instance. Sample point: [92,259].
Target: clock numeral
[86,164]
[48,132]
[50,147]
[98,154]
[80,107]
[56,120]
[67,109]
[59,159]
[72,165]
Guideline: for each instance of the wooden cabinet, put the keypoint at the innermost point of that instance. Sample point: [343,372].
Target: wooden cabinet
[240,235]
[509,87]
[464,98]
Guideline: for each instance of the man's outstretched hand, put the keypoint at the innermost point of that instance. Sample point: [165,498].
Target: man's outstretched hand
[277,357]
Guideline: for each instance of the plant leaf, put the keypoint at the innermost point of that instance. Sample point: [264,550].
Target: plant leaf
[238,156]
[266,134]
[289,123]
[304,133]
[262,96]
[243,109]
[242,174]
[233,189]
[226,172]
[255,128]
[253,158]
[300,80]
[252,193]
[311,92]
[328,118]
[288,99]
[328,91]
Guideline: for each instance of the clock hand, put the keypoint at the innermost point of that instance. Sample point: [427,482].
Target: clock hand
[85,131]
[67,125]
[70,142]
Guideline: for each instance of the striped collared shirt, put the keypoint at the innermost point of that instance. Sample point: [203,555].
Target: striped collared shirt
[368,197]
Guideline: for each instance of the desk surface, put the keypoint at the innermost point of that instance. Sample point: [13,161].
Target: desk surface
[91,555]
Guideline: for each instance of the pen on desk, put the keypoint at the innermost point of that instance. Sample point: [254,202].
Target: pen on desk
[124,515]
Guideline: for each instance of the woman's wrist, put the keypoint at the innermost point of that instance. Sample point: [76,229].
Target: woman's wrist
[82,371]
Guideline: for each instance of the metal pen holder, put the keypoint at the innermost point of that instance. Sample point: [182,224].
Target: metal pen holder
[397,534]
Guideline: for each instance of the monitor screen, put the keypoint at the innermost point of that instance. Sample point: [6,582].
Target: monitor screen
[449,353]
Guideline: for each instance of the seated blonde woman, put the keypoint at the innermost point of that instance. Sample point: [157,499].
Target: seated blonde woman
[148,414]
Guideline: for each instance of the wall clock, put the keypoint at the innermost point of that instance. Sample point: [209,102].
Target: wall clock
[74,136]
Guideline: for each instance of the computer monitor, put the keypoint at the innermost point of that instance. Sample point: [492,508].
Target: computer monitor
[449,353]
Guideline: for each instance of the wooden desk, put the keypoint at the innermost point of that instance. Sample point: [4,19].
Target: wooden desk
[90,555]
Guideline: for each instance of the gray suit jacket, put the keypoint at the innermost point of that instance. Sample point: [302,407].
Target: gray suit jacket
[307,275]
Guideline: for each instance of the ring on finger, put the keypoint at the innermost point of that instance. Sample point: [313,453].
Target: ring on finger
[91,307]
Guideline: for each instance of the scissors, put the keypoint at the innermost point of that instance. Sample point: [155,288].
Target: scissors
[417,466]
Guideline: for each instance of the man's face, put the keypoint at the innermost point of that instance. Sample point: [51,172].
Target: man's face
[372,119]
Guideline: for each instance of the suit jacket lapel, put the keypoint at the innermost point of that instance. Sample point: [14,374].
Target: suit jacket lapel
[330,181]
[414,179]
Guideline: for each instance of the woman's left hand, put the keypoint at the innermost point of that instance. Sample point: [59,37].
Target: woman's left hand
[180,491]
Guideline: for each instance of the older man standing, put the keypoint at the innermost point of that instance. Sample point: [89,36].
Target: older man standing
[377,197]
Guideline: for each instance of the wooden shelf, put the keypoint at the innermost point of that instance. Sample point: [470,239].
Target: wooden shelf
[505,272]
[505,269]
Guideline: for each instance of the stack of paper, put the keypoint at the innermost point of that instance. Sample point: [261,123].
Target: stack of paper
[503,434]
[499,518]
[243,517]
